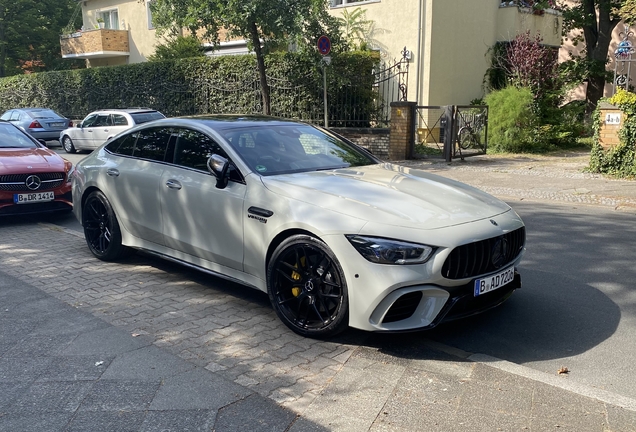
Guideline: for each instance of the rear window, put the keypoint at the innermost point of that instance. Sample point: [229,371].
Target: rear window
[44,114]
[144,117]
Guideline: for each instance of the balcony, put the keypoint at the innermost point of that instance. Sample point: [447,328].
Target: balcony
[98,43]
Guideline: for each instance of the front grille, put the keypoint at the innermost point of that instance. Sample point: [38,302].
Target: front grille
[16,182]
[403,307]
[482,257]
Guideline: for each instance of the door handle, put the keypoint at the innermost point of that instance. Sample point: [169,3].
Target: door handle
[112,172]
[173,184]
[105,130]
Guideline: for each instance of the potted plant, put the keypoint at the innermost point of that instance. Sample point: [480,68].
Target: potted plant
[100,22]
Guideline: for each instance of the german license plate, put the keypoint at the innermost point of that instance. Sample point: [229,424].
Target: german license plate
[495,281]
[56,124]
[33,197]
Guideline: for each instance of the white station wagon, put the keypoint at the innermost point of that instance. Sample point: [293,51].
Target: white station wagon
[100,126]
[336,237]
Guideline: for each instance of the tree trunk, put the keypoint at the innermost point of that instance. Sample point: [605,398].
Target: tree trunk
[261,68]
[598,37]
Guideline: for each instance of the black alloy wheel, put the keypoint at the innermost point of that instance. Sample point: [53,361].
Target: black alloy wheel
[67,143]
[101,229]
[307,288]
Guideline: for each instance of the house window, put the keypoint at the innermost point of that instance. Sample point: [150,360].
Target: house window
[111,19]
[151,25]
[343,2]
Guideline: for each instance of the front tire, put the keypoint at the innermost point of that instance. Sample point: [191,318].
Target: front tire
[101,228]
[67,143]
[307,288]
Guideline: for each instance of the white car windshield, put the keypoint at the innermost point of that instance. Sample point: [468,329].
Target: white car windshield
[283,149]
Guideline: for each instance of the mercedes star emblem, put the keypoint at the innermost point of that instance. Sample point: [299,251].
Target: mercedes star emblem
[33,182]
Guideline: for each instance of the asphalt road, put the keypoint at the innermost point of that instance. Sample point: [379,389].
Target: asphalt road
[577,307]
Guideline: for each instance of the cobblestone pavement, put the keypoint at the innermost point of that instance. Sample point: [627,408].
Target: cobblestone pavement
[224,327]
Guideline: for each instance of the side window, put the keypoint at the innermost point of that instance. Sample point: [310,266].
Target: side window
[6,116]
[15,116]
[119,120]
[152,143]
[194,148]
[89,121]
[123,145]
[101,120]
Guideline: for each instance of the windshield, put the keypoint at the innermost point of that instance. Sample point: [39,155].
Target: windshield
[12,137]
[144,117]
[283,149]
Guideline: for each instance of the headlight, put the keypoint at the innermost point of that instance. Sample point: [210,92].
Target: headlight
[70,174]
[388,251]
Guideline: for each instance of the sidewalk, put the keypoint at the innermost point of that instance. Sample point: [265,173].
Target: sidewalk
[558,178]
[146,346]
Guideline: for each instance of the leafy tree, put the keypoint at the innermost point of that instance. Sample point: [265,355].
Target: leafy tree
[179,47]
[593,22]
[355,26]
[262,23]
[30,35]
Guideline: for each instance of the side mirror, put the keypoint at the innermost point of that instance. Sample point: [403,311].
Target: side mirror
[41,141]
[219,166]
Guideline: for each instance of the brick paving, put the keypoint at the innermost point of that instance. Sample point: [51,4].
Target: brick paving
[227,328]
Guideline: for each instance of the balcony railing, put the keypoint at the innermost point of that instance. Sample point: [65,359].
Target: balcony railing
[98,43]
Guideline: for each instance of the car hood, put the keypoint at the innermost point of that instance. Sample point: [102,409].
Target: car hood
[13,161]
[389,194]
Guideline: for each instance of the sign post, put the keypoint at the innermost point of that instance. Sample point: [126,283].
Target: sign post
[324,47]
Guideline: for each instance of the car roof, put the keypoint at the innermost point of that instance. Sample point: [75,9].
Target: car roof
[232,121]
[126,110]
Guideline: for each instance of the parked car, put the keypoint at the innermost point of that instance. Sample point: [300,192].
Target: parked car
[99,126]
[40,123]
[33,179]
[336,237]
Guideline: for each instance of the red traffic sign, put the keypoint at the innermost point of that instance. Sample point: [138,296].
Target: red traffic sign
[324,45]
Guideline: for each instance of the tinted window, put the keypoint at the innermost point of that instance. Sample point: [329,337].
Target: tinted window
[152,143]
[194,148]
[123,145]
[102,120]
[144,117]
[12,137]
[88,121]
[119,120]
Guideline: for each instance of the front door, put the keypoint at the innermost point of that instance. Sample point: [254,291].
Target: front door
[198,218]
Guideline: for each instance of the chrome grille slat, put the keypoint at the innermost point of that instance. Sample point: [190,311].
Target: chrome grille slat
[479,254]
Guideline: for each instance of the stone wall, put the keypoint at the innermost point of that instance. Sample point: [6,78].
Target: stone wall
[376,140]
[94,41]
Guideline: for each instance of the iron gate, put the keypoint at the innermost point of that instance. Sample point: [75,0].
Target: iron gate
[452,130]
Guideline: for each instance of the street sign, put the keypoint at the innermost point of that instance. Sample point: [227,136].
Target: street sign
[324,45]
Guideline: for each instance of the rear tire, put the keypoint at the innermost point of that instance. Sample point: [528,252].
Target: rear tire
[67,143]
[101,228]
[307,288]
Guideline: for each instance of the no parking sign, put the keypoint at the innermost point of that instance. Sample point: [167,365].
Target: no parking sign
[324,45]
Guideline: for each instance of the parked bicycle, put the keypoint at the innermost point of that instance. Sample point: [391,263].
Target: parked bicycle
[469,135]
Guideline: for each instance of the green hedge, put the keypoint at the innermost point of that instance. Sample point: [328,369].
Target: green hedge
[227,84]
[620,160]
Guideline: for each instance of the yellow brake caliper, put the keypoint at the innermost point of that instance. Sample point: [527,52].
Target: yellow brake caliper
[296,276]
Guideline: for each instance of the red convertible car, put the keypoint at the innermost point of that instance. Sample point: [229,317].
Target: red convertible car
[33,179]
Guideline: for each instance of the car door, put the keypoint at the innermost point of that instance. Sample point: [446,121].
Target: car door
[200,219]
[119,123]
[134,181]
[100,130]
[82,136]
